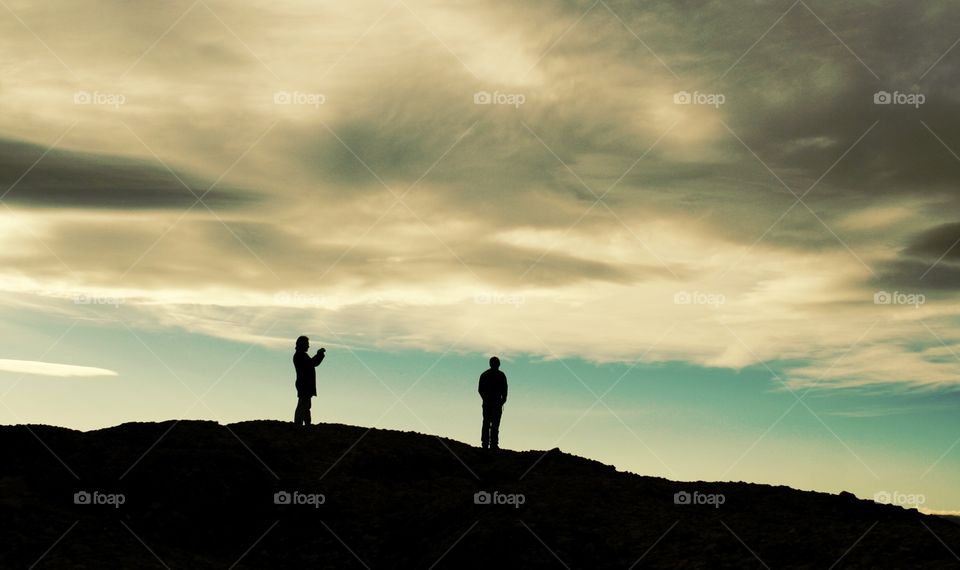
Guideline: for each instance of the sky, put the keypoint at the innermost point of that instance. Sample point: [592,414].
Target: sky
[709,240]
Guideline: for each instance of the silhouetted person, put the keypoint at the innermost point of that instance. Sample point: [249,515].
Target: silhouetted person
[493,390]
[306,379]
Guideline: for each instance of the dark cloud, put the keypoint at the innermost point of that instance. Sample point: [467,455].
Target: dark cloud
[930,261]
[70,179]
[799,98]
[919,276]
[937,242]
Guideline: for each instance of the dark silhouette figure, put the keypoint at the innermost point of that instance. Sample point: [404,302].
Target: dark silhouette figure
[306,379]
[493,391]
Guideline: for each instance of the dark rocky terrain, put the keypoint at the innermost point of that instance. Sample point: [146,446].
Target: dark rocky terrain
[204,497]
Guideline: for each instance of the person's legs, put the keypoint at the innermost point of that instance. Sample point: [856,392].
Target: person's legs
[485,430]
[306,413]
[496,414]
[302,415]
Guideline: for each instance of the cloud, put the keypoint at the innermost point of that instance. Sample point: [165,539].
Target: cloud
[929,261]
[936,243]
[52,369]
[390,209]
[50,178]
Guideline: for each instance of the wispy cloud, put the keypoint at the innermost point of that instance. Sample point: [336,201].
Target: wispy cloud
[52,369]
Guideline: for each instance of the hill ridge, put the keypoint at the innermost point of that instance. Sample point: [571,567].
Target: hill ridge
[264,493]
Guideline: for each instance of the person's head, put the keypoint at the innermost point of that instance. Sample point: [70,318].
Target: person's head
[303,343]
[494,363]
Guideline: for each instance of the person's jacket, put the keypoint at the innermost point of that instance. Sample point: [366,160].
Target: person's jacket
[306,372]
[493,387]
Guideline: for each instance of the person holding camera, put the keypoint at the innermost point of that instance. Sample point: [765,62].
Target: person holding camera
[306,379]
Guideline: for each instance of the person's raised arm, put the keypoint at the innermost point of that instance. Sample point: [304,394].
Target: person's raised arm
[318,357]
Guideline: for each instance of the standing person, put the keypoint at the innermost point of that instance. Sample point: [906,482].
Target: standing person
[306,378]
[493,391]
